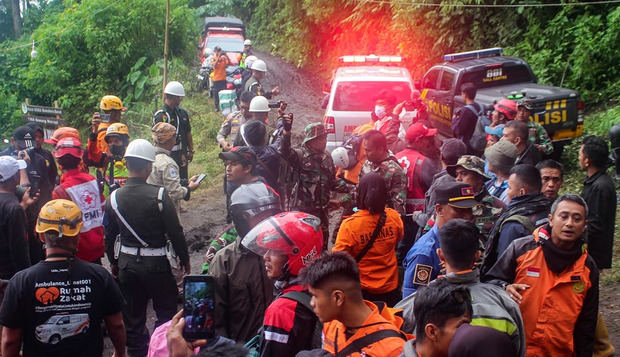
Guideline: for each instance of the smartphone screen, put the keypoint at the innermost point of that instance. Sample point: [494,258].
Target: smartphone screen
[200,178]
[198,307]
[104,117]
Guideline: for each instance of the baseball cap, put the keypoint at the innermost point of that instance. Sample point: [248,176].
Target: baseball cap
[452,149]
[419,130]
[470,163]
[34,126]
[63,132]
[502,155]
[240,153]
[456,194]
[497,130]
[24,136]
[69,146]
[9,167]
[314,130]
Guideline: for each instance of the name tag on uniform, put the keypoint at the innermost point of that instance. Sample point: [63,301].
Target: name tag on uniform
[533,272]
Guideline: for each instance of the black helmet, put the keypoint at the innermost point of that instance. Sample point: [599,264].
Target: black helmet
[251,203]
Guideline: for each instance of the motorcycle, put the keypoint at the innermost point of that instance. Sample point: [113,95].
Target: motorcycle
[233,78]
[203,77]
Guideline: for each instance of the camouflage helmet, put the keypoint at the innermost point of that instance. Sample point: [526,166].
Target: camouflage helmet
[470,163]
[313,131]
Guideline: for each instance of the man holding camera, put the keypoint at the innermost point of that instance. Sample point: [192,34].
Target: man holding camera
[183,150]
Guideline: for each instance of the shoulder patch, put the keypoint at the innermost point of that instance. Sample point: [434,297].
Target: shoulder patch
[422,274]
[172,172]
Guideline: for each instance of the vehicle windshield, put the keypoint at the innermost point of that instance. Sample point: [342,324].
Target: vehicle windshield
[361,96]
[498,76]
[228,44]
[52,320]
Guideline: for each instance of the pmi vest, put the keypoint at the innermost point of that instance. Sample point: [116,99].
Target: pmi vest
[412,161]
[86,196]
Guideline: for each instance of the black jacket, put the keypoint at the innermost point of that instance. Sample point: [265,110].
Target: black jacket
[137,202]
[600,195]
[531,156]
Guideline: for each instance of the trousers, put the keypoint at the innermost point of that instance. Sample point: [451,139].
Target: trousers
[143,279]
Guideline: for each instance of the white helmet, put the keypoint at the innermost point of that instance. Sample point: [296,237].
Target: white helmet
[247,43]
[249,60]
[208,52]
[259,104]
[175,88]
[141,149]
[340,156]
[259,65]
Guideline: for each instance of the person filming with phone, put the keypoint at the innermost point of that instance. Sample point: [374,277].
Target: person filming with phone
[111,108]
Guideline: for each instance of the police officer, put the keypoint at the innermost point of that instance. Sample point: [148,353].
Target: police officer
[259,68]
[144,218]
[165,170]
[183,151]
[314,172]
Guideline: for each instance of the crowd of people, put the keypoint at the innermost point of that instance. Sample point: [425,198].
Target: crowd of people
[457,249]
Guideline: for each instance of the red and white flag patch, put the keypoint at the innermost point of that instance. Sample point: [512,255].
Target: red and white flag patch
[533,272]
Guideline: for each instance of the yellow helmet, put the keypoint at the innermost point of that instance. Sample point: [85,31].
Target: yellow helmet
[62,216]
[117,129]
[111,102]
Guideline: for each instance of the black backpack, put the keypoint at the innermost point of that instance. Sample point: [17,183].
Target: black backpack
[303,298]
[353,145]
[478,140]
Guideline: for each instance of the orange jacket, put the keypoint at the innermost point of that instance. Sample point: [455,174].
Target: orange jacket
[559,310]
[378,268]
[219,68]
[353,175]
[388,345]
[102,146]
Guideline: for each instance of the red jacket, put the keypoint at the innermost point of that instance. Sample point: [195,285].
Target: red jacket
[83,189]
[413,162]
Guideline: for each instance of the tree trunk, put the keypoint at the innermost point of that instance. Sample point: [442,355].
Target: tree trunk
[17,19]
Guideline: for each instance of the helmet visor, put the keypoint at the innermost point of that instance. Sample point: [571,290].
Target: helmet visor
[268,238]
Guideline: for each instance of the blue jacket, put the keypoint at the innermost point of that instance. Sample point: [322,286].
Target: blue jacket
[422,263]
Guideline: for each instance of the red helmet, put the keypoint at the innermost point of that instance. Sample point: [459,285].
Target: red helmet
[69,146]
[296,235]
[507,107]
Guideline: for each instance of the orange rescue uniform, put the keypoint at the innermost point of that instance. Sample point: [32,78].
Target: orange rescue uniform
[378,268]
[389,339]
[353,174]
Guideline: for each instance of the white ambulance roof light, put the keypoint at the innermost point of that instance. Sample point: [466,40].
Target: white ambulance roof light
[462,56]
[370,59]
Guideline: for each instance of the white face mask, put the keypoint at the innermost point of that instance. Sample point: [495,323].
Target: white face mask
[380,111]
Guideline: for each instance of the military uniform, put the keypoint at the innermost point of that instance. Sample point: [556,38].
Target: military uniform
[395,179]
[315,177]
[541,138]
[144,272]
[166,174]
[254,86]
[180,119]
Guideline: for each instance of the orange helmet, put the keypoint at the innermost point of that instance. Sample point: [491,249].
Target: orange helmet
[63,132]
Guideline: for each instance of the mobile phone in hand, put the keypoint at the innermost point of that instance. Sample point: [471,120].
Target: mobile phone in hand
[200,178]
[198,307]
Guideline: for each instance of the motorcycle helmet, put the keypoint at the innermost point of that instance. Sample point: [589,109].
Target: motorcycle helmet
[296,235]
[251,203]
[507,107]
[340,156]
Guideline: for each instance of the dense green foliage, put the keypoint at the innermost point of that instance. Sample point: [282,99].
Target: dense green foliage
[92,48]
[577,44]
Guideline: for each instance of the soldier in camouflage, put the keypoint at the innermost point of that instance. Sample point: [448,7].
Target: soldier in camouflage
[538,135]
[314,172]
[380,160]
[469,169]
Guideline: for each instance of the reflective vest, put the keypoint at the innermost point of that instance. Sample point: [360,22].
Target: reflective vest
[412,161]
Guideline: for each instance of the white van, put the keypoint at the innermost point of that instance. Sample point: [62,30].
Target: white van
[353,91]
[59,327]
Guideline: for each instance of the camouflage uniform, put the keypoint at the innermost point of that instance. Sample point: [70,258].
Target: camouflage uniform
[395,179]
[314,177]
[490,208]
[541,138]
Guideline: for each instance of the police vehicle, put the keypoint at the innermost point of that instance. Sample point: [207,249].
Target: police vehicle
[353,91]
[559,110]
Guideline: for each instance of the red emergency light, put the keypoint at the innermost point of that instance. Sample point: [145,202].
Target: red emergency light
[370,59]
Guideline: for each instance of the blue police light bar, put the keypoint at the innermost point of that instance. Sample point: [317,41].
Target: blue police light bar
[462,56]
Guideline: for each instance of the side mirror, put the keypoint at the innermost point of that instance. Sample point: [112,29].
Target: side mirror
[417,84]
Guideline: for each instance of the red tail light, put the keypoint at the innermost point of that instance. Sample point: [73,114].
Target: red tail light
[580,112]
[330,126]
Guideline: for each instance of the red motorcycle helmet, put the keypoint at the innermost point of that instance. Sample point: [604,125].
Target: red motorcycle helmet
[296,235]
[507,107]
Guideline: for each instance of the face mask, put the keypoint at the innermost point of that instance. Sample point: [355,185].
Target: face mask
[117,151]
[380,111]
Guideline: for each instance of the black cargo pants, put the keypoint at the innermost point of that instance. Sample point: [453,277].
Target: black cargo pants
[141,280]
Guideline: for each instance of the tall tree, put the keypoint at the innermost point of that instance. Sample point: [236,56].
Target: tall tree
[17,18]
